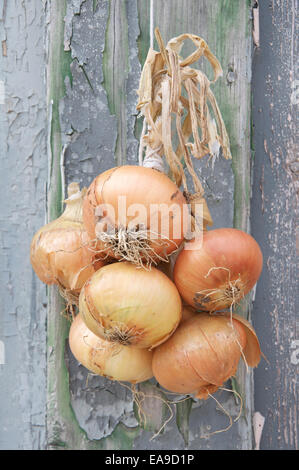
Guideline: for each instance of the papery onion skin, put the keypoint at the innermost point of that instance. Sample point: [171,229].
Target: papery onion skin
[116,362]
[133,306]
[200,356]
[58,256]
[217,272]
[139,185]
[252,351]
[59,251]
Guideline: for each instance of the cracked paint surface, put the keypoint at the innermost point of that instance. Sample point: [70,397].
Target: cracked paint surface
[90,139]
[274,221]
[23,200]
[97,119]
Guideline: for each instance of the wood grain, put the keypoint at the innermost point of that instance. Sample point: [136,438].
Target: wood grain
[274,221]
[23,175]
[93,126]
[91,53]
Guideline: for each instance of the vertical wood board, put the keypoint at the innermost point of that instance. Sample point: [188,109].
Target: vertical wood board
[274,221]
[23,175]
[106,40]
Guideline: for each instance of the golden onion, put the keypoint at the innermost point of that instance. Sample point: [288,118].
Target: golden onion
[142,216]
[116,362]
[129,305]
[217,272]
[59,251]
[204,352]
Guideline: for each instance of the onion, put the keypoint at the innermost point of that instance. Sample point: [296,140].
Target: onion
[203,353]
[135,214]
[59,251]
[187,313]
[217,272]
[116,362]
[132,306]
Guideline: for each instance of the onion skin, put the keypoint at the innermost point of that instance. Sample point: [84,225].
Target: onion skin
[187,313]
[252,351]
[201,355]
[139,185]
[218,272]
[133,306]
[116,362]
[59,251]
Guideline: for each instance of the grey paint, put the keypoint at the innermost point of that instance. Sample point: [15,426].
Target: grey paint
[22,194]
[274,221]
[88,129]
[90,139]
[89,132]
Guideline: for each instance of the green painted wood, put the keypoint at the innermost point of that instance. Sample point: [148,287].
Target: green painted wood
[59,419]
[115,71]
[92,125]
[226,26]
[63,429]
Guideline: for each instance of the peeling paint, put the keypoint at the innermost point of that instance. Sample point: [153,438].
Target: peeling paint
[258,424]
[84,107]
[94,143]
[87,134]
[89,150]
[274,220]
[22,187]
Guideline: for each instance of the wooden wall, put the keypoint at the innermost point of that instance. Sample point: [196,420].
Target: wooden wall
[69,70]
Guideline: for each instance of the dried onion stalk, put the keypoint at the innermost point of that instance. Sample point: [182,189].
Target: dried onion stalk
[165,81]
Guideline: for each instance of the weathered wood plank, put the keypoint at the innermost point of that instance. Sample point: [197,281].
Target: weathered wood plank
[105,72]
[226,26]
[115,58]
[23,174]
[81,128]
[63,430]
[275,220]
[84,137]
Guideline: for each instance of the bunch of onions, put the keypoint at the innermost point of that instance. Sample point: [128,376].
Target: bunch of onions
[60,251]
[116,362]
[131,306]
[204,352]
[135,214]
[216,272]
